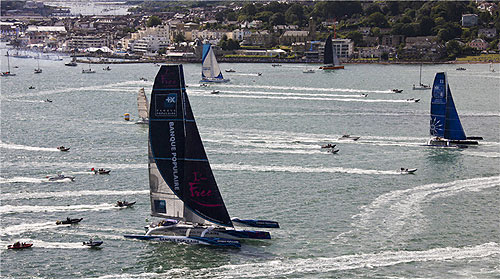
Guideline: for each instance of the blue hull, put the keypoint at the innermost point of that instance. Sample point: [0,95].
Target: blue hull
[257,223]
[214,241]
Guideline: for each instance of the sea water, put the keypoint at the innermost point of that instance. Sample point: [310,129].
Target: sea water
[344,215]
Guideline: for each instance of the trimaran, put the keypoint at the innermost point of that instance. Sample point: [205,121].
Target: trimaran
[183,189]
[445,127]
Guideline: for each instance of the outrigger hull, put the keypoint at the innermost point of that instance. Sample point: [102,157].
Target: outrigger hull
[204,231]
[214,241]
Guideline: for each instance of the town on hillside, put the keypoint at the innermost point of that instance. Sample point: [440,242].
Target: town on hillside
[241,31]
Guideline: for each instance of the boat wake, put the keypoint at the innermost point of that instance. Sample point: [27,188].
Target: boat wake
[19,179]
[10,209]
[298,88]
[317,266]
[65,194]
[25,147]
[298,169]
[29,227]
[399,212]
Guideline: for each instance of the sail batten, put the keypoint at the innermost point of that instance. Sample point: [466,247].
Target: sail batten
[177,157]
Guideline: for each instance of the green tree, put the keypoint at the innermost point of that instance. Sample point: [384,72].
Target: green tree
[356,36]
[425,25]
[153,21]
[295,15]
[376,19]
[277,19]
[453,49]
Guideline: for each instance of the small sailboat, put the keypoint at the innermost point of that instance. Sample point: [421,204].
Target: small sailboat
[210,70]
[183,189]
[8,73]
[492,68]
[38,70]
[420,85]
[445,127]
[330,58]
[142,107]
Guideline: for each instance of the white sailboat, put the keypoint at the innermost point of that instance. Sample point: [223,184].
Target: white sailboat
[210,70]
[38,70]
[142,107]
[420,85]
[182,185]
[8,73]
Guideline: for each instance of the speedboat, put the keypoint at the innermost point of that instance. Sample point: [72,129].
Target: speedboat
[407,171]
[230,71]
[333,151]
[88,71]
[31,87]
[413,100]
[328,145]
[60,177]
[71,64]
[69,221]
[215,92]
[276,65]
[49,101]
[308,71]
[92,243]
[143,79]
[100,171]
[348,137]
[461,69]
[19,245]
[107,68]
[62,148]
[364,95]
[124,204]
[397,90]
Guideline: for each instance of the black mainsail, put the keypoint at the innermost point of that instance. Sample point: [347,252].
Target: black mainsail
[182,183]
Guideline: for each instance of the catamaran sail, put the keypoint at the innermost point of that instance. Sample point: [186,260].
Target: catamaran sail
[330,58]
[445,125]
[210,70]
[142,107]
[182,184]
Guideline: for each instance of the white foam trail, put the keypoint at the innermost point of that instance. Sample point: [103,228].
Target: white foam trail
[58,245]
[72,165]
[297,169]
[483,154]
[6,209]
[400,211]
[363,100]
[298,88]
[19,179]
[25,147]
[280,93]
[297,268]
[29,227]
[65,194]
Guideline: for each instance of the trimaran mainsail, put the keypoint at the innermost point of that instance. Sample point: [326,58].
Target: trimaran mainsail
[445,127]
[142,107]
[182,186]
[330,58]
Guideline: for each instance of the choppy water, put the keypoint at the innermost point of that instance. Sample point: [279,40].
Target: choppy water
[342,216]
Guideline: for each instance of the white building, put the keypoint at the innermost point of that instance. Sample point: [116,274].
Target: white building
[150,44]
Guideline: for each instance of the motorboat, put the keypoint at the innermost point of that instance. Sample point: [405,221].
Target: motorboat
[259,74]
[88,71]
[407,171]
[308,71]
[19,245]
[69,221]
[47,101]
[215,92]
[276,65]
[364,95]
[124,204]
[395,90]
[62,148]
[230,71]
[31,87]
[413,100]
[100,171]
[461,69]
[107,68]
[348,137]
[71,64]
[143,79]
[93,243]
[60,177]
[328,145]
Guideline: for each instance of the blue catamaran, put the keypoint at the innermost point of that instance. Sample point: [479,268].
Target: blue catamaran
[445,126]
[183,189]
[210,70]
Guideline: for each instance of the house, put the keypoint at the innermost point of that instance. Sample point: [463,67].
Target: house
[469,20]
[258,38]
[478,44]
[290,37]
[392,40]
[487,32]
